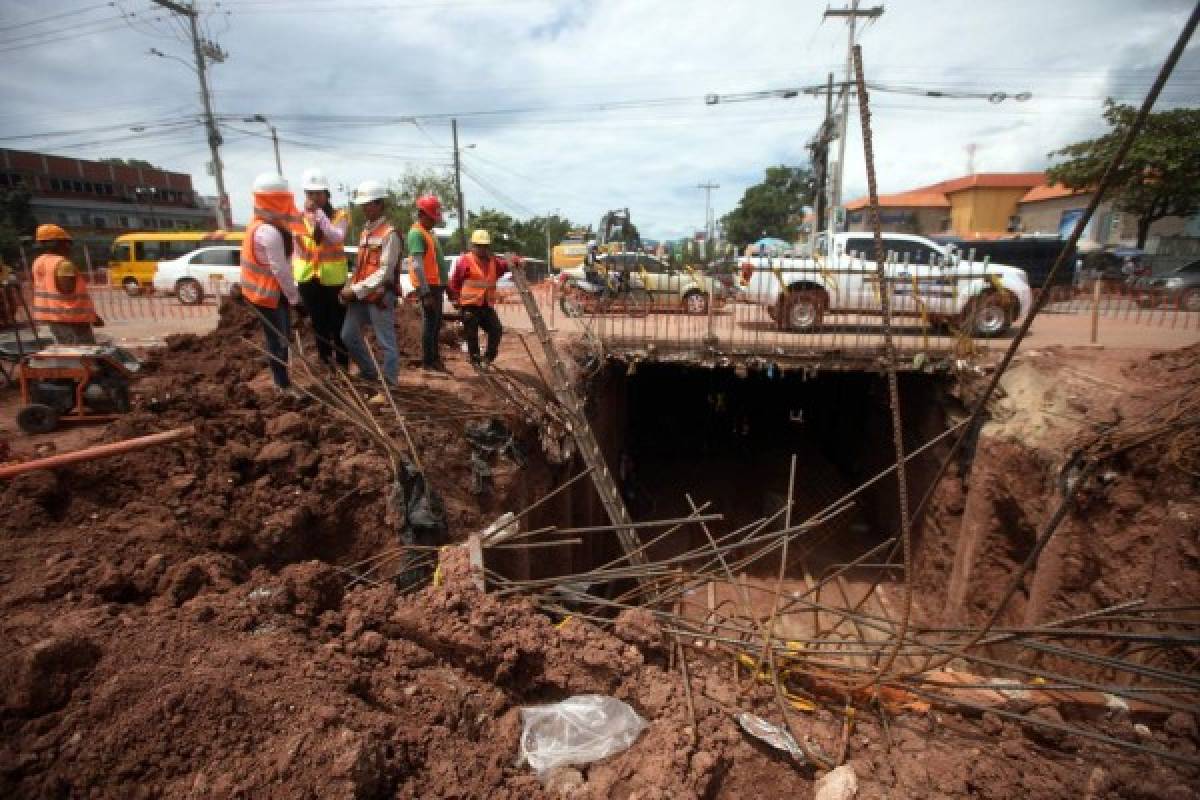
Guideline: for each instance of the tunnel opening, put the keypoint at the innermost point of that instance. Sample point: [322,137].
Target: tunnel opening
[675,434]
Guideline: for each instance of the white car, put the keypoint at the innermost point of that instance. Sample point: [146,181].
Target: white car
[208,271]
[925,280]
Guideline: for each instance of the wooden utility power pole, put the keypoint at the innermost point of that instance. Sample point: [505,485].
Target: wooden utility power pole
[210,121]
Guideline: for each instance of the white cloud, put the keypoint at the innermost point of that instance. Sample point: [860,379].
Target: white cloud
[380,57]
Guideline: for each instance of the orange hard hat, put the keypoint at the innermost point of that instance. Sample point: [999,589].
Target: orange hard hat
[431,206]
[51,233]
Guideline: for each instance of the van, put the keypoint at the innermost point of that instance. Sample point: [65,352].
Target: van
[134,257]
[1034,254]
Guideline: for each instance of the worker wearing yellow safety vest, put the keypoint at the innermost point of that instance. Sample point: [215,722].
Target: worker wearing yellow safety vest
[266,281]
[473,290]
[319,266]
[60,294]
[427,270]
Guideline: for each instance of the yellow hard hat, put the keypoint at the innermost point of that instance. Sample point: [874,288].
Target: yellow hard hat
[481,237]
[51,233]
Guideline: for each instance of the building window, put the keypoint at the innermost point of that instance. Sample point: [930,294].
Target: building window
[123,221]
[62,219]
[77,186]
[55,185]
[99,222]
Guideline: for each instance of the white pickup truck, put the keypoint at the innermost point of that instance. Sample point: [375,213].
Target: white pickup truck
[925,280]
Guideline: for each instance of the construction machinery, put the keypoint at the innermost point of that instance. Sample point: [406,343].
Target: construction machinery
[73,383]
[616,233]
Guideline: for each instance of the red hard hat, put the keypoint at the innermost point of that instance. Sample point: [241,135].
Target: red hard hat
[431,206]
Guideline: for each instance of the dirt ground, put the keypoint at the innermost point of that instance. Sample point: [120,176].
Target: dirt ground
[186,621]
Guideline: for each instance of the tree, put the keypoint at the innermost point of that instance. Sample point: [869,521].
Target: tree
[771,208]
[1160,176]
[501,226]
[402,197]
[16,221]
[531,235]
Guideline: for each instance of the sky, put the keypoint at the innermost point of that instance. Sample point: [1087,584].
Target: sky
[576,106]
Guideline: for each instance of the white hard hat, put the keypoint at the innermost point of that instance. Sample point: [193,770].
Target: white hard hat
[315,180]
[270,182]
[368,191]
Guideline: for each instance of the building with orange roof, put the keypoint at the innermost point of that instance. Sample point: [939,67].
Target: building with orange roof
[973,205]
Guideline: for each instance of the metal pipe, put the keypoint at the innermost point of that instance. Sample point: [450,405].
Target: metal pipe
[98,451]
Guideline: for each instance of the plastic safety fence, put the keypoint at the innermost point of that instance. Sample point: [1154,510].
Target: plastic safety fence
[1140,301]
[117,305]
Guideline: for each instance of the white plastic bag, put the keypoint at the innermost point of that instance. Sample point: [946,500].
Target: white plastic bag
[578,730]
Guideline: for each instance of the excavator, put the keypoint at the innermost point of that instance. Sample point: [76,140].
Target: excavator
[615,233]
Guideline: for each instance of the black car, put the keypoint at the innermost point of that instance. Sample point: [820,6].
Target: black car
[1178,289]
[1035,255]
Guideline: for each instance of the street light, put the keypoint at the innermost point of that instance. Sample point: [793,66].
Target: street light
[274,137]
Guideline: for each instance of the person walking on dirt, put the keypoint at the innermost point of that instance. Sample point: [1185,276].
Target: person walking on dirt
[319,266]
[473,289]
[60,294]
[370,296]
[267,282]
[427,270]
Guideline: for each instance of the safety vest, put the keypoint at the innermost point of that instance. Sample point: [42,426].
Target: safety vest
[433,274]
[479,289]
[370,255]
[258,284]
[327,259]
[51,305]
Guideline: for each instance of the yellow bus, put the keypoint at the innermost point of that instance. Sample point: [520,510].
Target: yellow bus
[135,256]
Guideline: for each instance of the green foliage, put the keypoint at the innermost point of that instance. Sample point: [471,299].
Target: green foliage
[16,220]
[402,196]
[1160,176]
[771,208]
[511,235]
[136,163]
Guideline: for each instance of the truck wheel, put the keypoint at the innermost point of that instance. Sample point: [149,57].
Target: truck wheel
[37,418]
[989,315]
[131,287]
[189,291]
[802,310]
[695,302]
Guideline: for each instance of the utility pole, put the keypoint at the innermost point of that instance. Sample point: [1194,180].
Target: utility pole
[462,215]
[820,155]
[214,135]
[852,14]
[708,226]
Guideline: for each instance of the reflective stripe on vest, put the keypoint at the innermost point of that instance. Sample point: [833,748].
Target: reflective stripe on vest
[327,259]
[370,256]
[258,284]
[479,289]
[433,275]
[51,305]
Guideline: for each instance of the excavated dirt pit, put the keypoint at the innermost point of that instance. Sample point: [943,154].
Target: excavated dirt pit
[179,622]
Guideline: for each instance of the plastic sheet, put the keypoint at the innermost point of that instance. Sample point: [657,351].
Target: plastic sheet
[578,730]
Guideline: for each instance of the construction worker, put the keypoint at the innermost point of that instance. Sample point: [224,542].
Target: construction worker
[473,289]
[370,296]
[60,294]
[319,266]
[427,270]
[267,282]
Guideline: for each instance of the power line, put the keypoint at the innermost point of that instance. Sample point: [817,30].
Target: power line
[52,17]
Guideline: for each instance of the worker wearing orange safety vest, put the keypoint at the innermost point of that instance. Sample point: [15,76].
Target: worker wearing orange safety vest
[266,281]
[60,294]
[370,296]
[427,270]
[319,266]
[473,290]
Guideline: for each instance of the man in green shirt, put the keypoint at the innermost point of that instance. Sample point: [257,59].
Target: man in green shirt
[428,272]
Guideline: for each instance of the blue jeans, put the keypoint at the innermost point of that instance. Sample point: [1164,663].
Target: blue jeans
[383,321]
[276,325]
